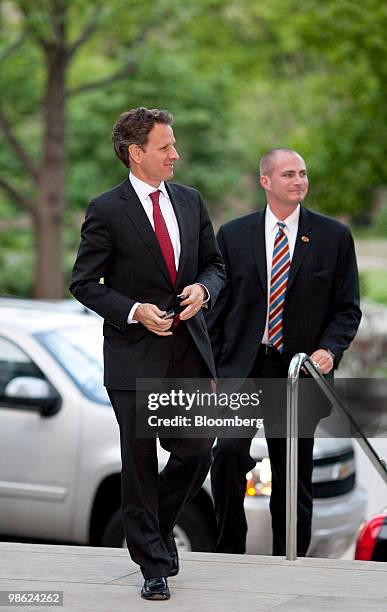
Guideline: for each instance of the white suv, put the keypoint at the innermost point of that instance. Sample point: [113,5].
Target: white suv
[60,458]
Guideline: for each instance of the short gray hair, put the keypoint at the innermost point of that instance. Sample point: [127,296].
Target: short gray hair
[266,162]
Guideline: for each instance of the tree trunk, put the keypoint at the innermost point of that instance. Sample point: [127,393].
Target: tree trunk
[48,271]
[51,193]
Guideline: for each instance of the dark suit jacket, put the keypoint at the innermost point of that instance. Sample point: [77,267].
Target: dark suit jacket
[322,299]
[119,244]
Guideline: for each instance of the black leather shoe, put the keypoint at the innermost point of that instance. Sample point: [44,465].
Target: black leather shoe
[155,588]
[172,549]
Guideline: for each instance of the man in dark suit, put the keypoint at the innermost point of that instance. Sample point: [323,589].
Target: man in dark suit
[292,286]
[150,242]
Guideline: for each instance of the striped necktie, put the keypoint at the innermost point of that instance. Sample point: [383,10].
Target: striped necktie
[278,283]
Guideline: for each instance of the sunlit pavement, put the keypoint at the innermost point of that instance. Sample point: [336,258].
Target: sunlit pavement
[105,580]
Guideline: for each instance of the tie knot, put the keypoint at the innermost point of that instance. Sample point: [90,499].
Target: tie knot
[154,196]
[281,225]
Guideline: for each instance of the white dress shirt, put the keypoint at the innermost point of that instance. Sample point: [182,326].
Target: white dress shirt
[143,191]
[271,229]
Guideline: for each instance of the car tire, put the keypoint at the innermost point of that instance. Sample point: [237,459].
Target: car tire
[197,532]
[192,531]
[113,534]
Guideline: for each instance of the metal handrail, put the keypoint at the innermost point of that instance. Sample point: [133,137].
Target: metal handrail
[299,361]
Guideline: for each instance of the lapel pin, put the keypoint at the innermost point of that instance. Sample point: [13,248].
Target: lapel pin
[304,238]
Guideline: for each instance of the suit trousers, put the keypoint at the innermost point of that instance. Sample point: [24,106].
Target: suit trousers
[232,460]
[151,503]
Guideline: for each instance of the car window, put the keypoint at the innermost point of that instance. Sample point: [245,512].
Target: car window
[79,351]
[14,362]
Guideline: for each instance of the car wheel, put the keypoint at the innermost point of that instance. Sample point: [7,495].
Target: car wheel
[192,531]
[113,535]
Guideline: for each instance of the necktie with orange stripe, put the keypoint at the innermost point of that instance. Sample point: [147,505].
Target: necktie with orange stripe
[278,283]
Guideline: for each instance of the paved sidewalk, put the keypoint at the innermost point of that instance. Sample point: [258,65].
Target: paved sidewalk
[105,580]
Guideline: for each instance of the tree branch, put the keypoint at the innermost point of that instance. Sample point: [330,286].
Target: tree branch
[25,9]
[128,70]
[86,33]
[22,200]
[21,153]
[20,223]
[15,45]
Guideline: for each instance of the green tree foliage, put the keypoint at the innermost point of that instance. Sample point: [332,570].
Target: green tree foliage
[344,47]
[240,78]
[312,77]
[69,69]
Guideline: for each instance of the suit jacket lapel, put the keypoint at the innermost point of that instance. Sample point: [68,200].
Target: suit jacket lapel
[258,244]
[132,207]
[302,245]
[181,208]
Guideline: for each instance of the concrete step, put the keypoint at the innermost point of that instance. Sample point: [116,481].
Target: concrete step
[106,580]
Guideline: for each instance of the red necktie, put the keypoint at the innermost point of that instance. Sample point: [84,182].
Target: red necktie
[163,236]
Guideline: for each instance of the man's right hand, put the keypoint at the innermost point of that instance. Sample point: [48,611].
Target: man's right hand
[150,316]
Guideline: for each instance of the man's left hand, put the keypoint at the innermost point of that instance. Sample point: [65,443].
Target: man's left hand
[323,359]
[194,297]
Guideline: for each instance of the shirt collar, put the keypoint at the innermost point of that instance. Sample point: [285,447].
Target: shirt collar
[143,189]
[291,221]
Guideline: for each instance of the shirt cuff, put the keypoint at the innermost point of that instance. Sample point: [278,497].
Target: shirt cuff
[131,314]
[207,298]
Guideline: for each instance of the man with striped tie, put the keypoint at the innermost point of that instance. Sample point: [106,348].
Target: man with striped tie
[292,286]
